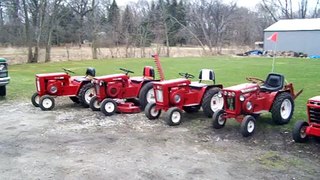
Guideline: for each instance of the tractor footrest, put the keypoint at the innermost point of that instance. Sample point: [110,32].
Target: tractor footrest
[128,107]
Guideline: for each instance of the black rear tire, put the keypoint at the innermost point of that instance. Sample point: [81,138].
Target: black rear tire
[35,99]
[218,120]
[150,111]
[95,105]
[191,109]
[74,99]
[279,106]
[3,91]
[248,126]
[208,109]
[299,132]
[86,92]
[147,88]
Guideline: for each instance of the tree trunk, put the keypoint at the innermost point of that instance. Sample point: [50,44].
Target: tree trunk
[27,30]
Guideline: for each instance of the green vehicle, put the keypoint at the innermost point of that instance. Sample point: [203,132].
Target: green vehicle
[4,76]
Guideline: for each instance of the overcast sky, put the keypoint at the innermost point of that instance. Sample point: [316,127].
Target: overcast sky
[246,3]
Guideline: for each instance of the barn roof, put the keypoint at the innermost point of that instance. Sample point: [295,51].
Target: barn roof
[295,25]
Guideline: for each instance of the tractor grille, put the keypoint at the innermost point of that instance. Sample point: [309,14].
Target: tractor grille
[231,103]
[314,114]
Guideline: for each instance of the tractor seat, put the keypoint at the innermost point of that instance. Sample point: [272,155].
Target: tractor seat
[204,75]
[274,82]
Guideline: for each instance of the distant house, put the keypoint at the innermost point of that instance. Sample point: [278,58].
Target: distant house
[299,35]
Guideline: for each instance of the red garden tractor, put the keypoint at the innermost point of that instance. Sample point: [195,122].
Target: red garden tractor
[119,92]
[245,102]
[303,130]
[174,96]
[51,85]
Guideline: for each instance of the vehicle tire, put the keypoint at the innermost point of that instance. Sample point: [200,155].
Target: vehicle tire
[74,99]
[282,108]
[218,120]
[299,134]
[146,95]
[211,102]
[248,126]
[191,109]
[86,92]
[94,104]
[46,103]
[173,116]
[151,112]
[108,107]
[3,91]
[35,99]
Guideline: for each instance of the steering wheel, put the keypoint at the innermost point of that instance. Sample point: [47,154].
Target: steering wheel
[186,75]
[255,80]
[126,71]
[68,71]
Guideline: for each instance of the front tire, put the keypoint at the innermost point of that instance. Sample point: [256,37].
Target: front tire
[211,102]
[108,107]
[86,93]
[95,104]
[146,95]
[218,120]
[151,112]
[282,108]
[3,91]
[173,116]
[248,126]
[46,103]
[299,134]
[35,99]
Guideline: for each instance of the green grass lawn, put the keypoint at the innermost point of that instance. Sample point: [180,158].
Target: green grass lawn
[304,73]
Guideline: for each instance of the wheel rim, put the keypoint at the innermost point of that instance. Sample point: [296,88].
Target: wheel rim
[303,133]
[37,99]
[109,107]
[216,103]
[150,96]
[286,108]
[221,120]
[175,117]
[96,104]
[47,103]
[250,126]
[89,94]
[154,112]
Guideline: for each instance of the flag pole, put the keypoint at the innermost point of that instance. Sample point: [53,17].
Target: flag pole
[274,55]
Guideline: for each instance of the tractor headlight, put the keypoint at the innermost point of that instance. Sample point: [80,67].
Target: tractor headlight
[177,98]
[233,94]
[242,98]
[100,83]
[249,105]
[53,89]
[229,93]
[159,95]
[220,94]
[225,93]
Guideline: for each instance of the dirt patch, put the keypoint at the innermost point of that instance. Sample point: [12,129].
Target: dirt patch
[75,143]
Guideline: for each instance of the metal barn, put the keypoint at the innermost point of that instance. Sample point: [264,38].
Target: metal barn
[299,35]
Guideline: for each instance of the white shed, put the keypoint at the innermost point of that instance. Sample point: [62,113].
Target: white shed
[299,35]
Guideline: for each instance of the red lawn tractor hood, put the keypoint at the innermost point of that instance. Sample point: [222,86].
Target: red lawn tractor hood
[316,98]
[112,77]
[244,88]
[174,82]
